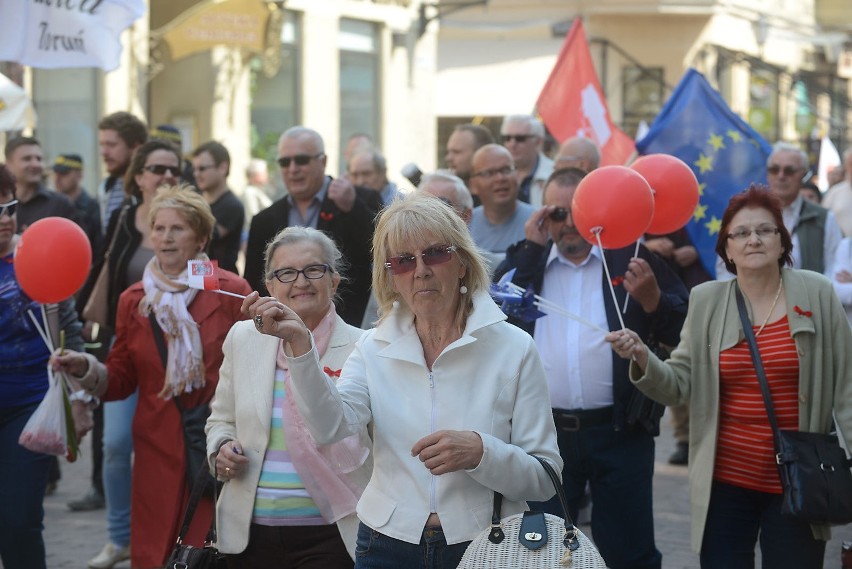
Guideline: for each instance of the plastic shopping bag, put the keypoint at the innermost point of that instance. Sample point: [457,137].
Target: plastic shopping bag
[46,431]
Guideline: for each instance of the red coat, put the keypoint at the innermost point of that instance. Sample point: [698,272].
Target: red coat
[160,493]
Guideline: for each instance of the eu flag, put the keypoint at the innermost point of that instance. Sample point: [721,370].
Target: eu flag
[726,154]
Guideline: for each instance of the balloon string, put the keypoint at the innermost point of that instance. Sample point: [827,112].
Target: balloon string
[40,331]
[627,294]
[597,232]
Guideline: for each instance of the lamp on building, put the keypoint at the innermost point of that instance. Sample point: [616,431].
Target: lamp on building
[760,26]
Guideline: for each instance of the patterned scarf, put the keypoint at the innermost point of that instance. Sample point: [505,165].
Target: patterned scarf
[169,301]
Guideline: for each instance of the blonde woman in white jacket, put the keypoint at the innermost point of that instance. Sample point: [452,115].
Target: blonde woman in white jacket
[455,397]
[287,502]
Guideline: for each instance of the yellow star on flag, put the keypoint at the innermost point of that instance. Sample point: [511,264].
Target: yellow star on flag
[2,104]
[714,225]
[716,141]
[704,163]
[701,187]
[700,212]
[734,135]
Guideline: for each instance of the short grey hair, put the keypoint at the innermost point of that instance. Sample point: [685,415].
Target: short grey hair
[376,157]
[463,197]
[303,132]
[782,146]
[536,128]
[256,166]
[331,255]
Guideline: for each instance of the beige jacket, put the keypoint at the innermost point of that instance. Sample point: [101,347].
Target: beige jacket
[823,340]
[242,410]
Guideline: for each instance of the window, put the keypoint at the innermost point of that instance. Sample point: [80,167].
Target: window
[642,96]
[360,97]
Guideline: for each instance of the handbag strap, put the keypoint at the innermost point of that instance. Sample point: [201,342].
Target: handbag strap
[758,367]
[201,481]
[571,540]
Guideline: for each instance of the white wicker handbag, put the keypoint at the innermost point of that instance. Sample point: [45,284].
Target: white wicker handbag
[521,541]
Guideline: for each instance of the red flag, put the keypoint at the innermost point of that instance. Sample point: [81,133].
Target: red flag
[572,102]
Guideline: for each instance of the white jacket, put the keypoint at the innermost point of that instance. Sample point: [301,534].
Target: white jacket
[242,410]
[490,380]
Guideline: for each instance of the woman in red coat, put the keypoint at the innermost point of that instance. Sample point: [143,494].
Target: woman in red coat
[194,323]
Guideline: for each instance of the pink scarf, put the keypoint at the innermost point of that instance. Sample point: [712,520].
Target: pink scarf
[323,468]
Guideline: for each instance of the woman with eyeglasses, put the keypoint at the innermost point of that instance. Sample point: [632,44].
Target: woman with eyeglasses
[287,502]
[129,249]
[179,373]
[452,393]
[804,342]
[23,384]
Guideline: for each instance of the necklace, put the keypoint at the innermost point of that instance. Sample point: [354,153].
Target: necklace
[771,308]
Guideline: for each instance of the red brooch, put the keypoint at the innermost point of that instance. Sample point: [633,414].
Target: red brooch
[617,280]
[326,215]
[801,312]
[330,372]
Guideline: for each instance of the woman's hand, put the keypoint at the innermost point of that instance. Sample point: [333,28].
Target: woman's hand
[69,361]
[274,318]
[230,460]
[448,451]
[627,344]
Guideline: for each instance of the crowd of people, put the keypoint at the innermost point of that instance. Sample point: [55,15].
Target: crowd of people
[368,398]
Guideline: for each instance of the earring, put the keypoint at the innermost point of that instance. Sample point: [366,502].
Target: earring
[395,304]
[463,289]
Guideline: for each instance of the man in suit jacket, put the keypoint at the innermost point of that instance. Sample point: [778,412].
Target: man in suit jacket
[315,200]
[605,427]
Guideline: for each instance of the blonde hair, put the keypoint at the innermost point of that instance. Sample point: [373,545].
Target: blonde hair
[186,200]
[419,218]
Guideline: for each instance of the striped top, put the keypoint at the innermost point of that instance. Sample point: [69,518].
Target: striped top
[281,498]
[745,455]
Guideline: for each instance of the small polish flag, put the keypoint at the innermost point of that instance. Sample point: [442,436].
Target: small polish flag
[202,274]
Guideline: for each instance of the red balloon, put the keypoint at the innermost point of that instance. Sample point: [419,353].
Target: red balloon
[615,201]
[675,191]
[52,260]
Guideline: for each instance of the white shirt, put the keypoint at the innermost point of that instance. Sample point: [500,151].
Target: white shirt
[839,201]
[843,262]
[577,361]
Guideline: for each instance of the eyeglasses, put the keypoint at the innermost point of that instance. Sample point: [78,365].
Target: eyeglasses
[312,272]
[299,159]
[559,214]
[504,171]
[787,170]
[8,208]
[762,232]
[161,169]
[406,262]
[516,137]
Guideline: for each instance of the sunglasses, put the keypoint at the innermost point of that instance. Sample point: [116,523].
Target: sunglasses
[161,169]
[516,137]
[406,262]
[8,208]
[298,159]
[558,214]
[787,170]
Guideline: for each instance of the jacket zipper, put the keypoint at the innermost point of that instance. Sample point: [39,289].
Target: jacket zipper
[433,500]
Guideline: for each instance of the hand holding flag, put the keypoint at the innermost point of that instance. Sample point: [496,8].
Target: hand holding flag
[202,275]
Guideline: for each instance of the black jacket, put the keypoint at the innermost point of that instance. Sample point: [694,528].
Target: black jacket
[352,232]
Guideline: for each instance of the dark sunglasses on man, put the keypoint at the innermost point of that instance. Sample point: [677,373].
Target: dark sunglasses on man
[788,171]
[8,208]
[558,214]
[521,138]
[298,159]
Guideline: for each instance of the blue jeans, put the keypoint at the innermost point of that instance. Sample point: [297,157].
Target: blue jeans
[737,516]
[619,467]
[23,478]
[117,475]
[374,550]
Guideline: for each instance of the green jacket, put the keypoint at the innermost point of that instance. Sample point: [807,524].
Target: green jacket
[824,343]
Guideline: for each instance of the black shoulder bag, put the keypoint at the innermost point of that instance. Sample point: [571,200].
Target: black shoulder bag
[814,470]
[185,556]
[193,421]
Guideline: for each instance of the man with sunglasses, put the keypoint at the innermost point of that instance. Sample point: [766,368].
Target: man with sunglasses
[523,136]
[25,161]
[605,426]
[345,212]
[815,231]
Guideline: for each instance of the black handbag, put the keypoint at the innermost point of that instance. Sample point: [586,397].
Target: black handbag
[185,556]
[193,421]
[814,470]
